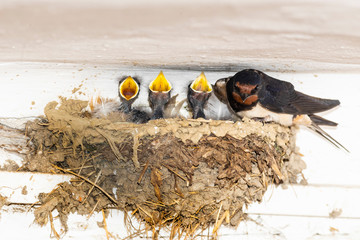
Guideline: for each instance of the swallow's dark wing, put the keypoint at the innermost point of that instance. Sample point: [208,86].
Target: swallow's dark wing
[280,96]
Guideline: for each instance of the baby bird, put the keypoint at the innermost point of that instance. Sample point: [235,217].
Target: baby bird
[198,94]
[159,95]
[129,89]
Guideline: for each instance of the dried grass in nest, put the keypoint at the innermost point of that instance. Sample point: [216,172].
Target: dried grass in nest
[185,175]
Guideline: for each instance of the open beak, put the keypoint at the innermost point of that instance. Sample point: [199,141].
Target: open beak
[129,88]
[160,84]
[159,95]
[200,84]
[198,94]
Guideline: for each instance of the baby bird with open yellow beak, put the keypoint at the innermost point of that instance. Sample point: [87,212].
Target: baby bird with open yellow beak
[199,92]
[159,95]
[129,88]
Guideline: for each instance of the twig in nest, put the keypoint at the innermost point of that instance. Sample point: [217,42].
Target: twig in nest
[53,227]
[112,145]
[143,171]
[265,181]
[166,220]
[90,174]
[218,224]
[134,235]
[134,232]
[19,168]
[32,205]
[274,166]
[156,181]
[130,228]
[93,210]
[87,180]
[181,231]
[148,214]
[174,230]
[227,217]
[177,188]
[92,187]
[133,212]
[135,150]
[197,211]
[82,167]
[104,225]
[155,233]
[217,217]
[155,204]
[176,173]
[85,161]
[187,230]
[194,229]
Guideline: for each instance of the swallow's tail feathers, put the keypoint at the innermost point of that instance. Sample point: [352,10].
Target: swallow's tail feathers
[308,105]
[325,135]
[322,121]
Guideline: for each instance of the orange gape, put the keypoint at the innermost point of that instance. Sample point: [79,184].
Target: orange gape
[237,97]
[128,93]
[248,101]
[200,84]
[129,88]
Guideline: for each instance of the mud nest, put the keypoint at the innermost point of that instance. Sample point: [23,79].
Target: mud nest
[185,175]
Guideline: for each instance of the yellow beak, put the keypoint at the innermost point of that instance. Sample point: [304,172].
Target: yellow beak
[160,84]
[200,84]
[129,88]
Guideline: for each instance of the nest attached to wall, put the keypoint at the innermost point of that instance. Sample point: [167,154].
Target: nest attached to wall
[185,175]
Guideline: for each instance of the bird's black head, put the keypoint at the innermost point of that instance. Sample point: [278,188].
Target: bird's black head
[242,89]
[248,77]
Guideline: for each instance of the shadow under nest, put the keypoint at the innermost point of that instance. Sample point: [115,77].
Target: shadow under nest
[184,175]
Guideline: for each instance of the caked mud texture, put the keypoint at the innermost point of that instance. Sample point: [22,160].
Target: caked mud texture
[186,174]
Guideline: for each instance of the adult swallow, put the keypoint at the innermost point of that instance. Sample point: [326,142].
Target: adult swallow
[198,94]
[159,95]
[253,94]
[129,89]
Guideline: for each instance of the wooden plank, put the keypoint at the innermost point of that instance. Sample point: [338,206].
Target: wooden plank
[24,187]
[310,201]
[13,146]
[293,227]
[278,35]
[259,227]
